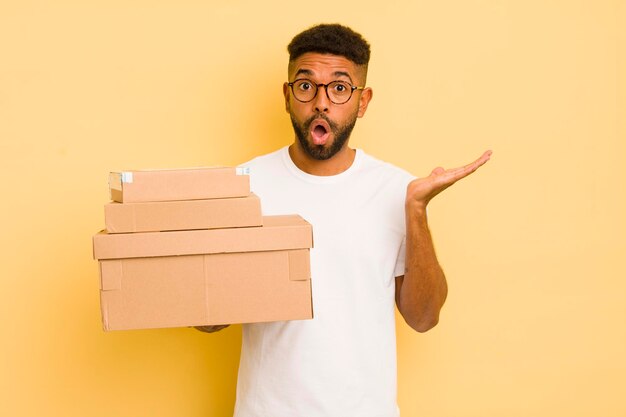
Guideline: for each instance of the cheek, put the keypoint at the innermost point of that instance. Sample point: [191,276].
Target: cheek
[356,112]
[298,110]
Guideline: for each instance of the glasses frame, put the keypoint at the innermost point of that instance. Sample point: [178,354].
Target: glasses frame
[353,88]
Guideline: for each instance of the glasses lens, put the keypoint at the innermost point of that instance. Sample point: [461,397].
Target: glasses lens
[339,92]
[304,90]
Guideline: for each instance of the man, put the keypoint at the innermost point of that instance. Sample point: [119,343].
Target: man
[366,215]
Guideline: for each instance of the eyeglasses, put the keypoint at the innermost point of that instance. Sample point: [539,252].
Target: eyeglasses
[338,92]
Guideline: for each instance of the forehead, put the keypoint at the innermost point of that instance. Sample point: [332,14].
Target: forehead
[329,66]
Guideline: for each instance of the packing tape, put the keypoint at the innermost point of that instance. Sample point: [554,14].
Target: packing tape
[127,177]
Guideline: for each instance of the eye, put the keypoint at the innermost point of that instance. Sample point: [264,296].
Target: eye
[304,85]
[340,87]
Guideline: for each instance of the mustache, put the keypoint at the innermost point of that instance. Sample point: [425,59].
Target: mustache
[307,123]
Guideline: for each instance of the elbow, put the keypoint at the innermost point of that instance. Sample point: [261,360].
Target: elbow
[422,315]
[423,319]
[423,324]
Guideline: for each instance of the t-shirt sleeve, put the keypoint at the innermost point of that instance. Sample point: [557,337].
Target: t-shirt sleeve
[401,259]
[399,270]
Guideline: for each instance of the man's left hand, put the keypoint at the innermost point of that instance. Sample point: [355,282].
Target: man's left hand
[421,190]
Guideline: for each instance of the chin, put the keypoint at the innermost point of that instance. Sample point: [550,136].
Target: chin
[321,152]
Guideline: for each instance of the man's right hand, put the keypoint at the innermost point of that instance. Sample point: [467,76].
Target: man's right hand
[212,329]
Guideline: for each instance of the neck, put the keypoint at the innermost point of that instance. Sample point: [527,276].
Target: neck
[337,164]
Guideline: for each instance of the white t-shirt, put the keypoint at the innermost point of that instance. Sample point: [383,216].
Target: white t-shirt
[342,363]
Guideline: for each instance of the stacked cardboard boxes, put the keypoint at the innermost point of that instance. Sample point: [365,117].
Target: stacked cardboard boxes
[190,247]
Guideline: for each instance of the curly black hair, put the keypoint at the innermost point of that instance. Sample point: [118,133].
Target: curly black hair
[332,39]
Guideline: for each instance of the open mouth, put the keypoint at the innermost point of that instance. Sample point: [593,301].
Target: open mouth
[320,131]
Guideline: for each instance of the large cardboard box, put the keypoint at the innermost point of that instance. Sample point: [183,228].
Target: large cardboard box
[178,291]
[183,215]
[204,277]
[178,184]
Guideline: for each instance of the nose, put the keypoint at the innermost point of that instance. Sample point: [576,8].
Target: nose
[321,100]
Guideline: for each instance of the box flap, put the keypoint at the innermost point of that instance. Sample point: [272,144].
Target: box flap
[299,265]
[104,308]
[111,275]
[115,180]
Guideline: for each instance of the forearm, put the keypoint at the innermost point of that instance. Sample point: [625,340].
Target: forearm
[424,289]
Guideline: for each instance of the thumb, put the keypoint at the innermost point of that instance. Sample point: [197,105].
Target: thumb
[437,171]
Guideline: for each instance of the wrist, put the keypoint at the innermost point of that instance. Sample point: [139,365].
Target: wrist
[414,207]
[416,215]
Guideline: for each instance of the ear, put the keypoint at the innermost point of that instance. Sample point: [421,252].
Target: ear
[364,100]
[287,96]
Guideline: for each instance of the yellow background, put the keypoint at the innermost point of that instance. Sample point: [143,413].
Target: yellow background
[533,244]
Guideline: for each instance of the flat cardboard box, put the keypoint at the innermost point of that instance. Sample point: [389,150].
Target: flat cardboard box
[277,233]
[183,215]
[178,184]
[195,290]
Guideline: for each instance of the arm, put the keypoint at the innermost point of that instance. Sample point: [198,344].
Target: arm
[421,292]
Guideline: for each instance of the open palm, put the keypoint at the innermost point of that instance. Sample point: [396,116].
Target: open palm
[421,190]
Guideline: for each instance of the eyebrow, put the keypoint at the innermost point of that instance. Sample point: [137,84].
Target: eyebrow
[304,72]
[342,74]
[309,73]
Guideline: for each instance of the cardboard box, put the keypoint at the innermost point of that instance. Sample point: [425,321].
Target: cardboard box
[177,291]
[203,277]
[277,233]
[178,184]
[183,215]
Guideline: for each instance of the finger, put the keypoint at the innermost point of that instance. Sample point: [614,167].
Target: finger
[472,166]
[450,176]
[464,171]
[446,178]
[211,328]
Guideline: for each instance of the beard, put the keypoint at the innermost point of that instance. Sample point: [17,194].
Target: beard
[341,135]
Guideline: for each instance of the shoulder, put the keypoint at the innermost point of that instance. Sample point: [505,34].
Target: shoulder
[385,170]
